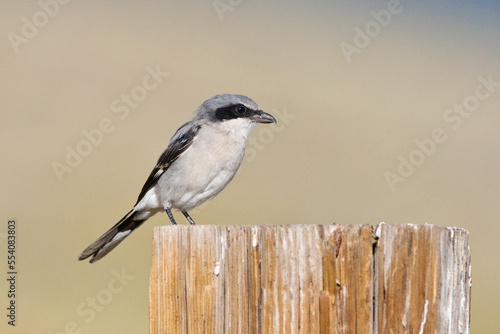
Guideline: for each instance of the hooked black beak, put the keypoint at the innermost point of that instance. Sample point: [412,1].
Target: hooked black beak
[262,117]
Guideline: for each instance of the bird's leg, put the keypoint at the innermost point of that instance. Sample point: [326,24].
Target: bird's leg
[171,216]
[188,217]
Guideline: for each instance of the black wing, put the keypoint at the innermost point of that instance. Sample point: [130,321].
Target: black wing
[179,143]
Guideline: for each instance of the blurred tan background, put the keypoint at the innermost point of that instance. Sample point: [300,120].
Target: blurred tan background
[353,89]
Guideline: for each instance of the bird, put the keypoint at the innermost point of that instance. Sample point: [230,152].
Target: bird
[202,157]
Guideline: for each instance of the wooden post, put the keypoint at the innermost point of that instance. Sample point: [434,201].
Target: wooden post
[310,279]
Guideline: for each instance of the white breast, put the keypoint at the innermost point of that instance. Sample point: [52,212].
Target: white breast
[206,167]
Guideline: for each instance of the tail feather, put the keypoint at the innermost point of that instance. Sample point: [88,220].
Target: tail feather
[109,240]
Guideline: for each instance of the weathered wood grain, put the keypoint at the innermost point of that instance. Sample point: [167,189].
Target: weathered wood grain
[310,279]
[422,279]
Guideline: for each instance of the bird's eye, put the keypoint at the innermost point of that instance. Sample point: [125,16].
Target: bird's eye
[240,110]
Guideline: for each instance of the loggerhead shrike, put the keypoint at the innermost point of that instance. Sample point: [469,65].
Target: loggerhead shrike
[200,160]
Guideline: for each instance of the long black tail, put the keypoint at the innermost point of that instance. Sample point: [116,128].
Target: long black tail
[109,240]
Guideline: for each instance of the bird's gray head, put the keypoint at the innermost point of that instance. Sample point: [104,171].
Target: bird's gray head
[226,107]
